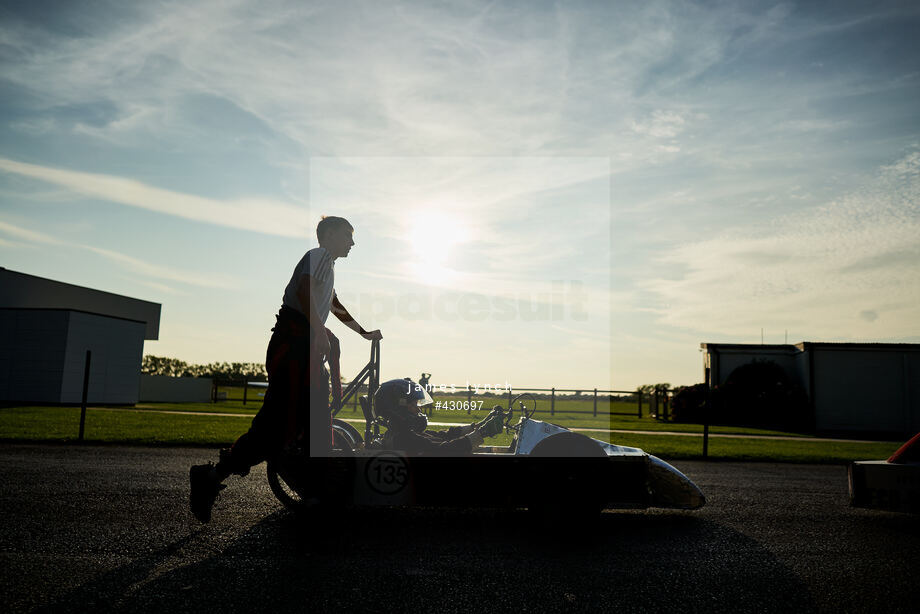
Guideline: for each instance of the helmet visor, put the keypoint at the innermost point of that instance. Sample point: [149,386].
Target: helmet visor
[422,397]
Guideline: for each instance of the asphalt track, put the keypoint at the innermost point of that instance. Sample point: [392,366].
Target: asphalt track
[107,529]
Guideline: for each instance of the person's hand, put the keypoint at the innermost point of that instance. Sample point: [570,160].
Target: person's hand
[495,410]
[493,426]
[374,335]
[321,343]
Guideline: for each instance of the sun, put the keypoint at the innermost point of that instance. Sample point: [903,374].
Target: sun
[433,235]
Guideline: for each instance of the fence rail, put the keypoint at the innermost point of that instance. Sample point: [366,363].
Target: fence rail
[657,402]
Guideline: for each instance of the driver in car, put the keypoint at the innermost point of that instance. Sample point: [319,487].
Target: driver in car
[399,400]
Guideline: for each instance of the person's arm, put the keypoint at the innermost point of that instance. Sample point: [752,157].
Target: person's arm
[416,443]
[342,314]
[457,431]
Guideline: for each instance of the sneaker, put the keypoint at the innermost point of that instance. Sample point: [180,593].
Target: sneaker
[205,486]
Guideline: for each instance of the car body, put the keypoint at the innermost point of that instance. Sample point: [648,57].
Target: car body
[892,484]
[546,467]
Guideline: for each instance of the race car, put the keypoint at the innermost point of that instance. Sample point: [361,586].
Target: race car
[892,484]
[546,467]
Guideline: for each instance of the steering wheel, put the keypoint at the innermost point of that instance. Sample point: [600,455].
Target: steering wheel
[527,406]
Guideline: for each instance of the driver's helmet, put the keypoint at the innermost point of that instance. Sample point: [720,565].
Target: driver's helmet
[391,401]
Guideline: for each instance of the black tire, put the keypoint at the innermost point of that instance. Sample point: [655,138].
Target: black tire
[283,491]
[317,485]
[351,435]
[566,499]
[568,445]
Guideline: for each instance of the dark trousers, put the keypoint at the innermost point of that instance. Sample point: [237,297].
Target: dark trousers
[296,404]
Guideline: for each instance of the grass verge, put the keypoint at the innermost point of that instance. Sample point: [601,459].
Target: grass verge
[740,449]
[62,424]
[140,427]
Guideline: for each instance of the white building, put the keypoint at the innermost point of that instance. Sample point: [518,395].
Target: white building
[46,328]
[851,386]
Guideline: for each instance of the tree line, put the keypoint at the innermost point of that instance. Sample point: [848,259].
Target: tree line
[173,367]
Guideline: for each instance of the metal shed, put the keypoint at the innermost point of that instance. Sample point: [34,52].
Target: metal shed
[866,387]
[46,328]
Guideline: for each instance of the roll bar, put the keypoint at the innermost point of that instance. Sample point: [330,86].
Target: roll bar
[370,371]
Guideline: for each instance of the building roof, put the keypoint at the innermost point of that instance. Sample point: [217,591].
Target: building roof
[22,291]
[747,346]
[812,345]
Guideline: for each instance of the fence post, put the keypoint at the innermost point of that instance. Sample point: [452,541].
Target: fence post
[639,392]
[706,413]
[469,398]
[245,390]
[552,404]
[595,402]
[509,398]
[89,356]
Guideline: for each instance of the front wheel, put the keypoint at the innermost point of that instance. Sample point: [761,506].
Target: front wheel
[563,495]
[303,484]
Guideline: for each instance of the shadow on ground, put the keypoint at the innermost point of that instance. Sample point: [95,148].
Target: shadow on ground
[381,560]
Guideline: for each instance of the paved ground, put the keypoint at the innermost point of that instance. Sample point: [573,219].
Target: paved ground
[106,528]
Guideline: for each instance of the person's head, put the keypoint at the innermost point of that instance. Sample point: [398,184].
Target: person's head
[398,401]
[335,234]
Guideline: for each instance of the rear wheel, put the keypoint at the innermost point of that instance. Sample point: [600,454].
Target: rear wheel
[345,436]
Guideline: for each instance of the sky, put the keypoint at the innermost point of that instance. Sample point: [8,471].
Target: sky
[568,194]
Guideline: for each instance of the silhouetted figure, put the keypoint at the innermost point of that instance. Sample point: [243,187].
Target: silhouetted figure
[296,404]
[423,382]
[399,400]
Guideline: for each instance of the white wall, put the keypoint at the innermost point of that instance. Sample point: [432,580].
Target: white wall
[165,389]
[870,390]
[117,347]
[912,390]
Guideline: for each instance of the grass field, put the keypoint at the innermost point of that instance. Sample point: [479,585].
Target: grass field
[107,426]
[569,412]
[148,425]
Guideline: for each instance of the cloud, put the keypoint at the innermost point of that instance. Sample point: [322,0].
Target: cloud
[806,271]
[159,272]
[400,77]
[662,124]
[509,226]
[255,215]
[126,262]
[28,235]
[160,287]
[708,113]
[10,244]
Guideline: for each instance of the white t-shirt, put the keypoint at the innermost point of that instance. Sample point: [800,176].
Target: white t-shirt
[319,263]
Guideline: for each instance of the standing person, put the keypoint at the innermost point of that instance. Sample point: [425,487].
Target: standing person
[423,382]
[297,399]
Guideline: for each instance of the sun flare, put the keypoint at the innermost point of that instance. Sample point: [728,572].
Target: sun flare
[433,235]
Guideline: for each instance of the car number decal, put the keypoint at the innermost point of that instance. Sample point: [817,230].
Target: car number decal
[387,473]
